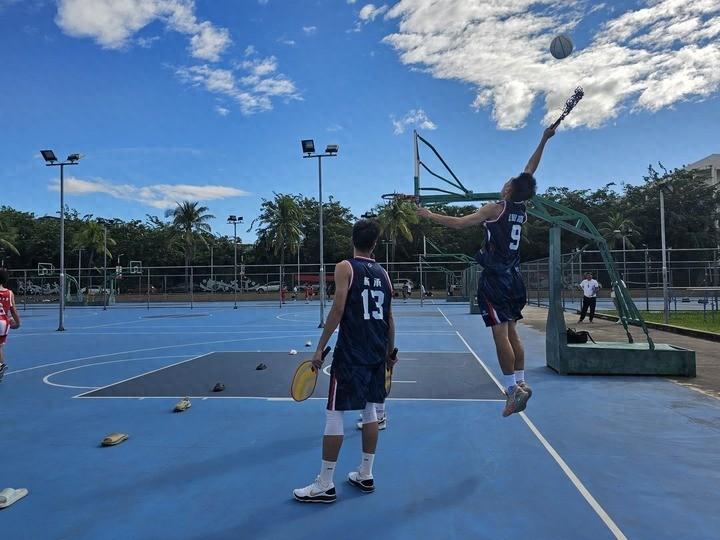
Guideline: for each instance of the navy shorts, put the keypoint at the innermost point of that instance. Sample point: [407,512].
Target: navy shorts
[353,386]
[501,297]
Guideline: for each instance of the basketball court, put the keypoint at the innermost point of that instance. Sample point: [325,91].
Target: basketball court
[592,457]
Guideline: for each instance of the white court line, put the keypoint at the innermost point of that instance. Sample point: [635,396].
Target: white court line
[559,460]
[131,351]
[146,373]
[46,378]
[443,314]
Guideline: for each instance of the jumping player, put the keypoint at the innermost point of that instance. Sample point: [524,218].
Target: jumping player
[357,377]
[9,317]
[501,290]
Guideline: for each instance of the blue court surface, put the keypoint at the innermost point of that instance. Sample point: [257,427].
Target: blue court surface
[592,457]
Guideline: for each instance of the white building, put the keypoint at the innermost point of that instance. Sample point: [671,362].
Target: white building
[707,168]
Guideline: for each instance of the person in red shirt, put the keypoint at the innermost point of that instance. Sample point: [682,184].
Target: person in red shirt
[9,317]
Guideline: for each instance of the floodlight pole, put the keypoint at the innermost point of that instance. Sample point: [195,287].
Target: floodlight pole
[61,322]
[666,315]
[105,268]
[235,288]
[322,246]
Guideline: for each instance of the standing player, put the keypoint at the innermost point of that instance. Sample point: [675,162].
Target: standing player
[9,317]
[501,290]
[357,377]
[589,287]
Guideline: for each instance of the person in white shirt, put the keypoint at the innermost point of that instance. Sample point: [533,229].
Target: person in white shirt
[589,287]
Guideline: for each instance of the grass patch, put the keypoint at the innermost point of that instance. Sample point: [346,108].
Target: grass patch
[686,319]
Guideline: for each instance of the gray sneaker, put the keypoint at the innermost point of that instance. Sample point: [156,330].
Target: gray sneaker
[516,401]
[528,391]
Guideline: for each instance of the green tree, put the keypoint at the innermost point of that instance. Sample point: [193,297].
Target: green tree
[280,227]
[619,231]
[92,239]
[7,237]
[396,220]
[190,221]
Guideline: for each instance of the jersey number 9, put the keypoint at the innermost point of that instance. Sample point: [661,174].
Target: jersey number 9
[515,235]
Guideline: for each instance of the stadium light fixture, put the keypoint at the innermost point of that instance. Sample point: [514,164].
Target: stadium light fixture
[48,156]
[51,160]
[308,146]
[331,150]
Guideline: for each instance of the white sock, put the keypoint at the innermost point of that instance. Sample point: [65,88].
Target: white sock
[326,472]
[366,464]
[520,375]
[380,411]
[509,381]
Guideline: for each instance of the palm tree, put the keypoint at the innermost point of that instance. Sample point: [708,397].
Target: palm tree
[281,225]
[395,220]
[7,236]
[618,227]
[190,221]
[92,239]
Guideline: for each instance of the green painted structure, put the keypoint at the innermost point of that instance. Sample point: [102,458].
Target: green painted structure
[606,358]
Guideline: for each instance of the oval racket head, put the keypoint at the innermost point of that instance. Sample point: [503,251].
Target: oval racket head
[305,379]
[388,374]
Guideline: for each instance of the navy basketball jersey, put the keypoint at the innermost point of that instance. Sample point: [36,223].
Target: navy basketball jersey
[501,252]
[363,337]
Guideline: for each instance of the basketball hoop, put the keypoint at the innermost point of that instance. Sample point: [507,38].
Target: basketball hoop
[401,197]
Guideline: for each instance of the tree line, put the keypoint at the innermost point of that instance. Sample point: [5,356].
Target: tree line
[287,228]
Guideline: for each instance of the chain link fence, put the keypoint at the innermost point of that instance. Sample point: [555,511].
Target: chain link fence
[641,270]
[139,286]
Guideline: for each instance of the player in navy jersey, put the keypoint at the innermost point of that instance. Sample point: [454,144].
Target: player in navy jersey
[357,376]
[501,290]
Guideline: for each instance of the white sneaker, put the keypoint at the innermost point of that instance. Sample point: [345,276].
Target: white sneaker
[382,424]
[316,493]
[364,483]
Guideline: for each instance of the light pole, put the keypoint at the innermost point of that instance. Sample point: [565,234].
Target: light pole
[52,161]
[234,220]
[387,244]
[665,186]
[308,148]
[79,250]
[105,290]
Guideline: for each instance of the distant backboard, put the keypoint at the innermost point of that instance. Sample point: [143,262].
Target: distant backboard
[46,269]
[135,267]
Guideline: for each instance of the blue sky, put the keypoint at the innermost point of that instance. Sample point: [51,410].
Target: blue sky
[172,99]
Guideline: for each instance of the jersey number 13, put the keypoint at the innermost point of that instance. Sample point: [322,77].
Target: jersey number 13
[379,298]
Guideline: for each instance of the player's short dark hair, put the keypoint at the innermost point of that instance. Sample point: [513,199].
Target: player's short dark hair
[523,187]
[365,234]
[4,276]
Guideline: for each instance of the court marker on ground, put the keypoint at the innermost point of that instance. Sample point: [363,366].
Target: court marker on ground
[559,460]
[448,320]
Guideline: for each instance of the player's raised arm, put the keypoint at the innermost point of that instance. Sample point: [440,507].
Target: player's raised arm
[483,214]
[343,274]
[534,161]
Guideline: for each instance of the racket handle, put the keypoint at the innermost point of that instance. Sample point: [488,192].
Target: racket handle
[326,351]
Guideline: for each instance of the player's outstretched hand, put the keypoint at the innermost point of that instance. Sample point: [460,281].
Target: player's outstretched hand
[549,133]
[317,360]
[14,325]
[423,212]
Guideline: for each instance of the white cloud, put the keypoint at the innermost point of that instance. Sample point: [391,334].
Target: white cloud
[288,42]
[413,118]
[334,128]
[148,42]
[263,2]
[253,90]
[157,196]
[646,58]
[222,111]
[351,1]
[112,23]
[309,30]
[369,12]
[250,50]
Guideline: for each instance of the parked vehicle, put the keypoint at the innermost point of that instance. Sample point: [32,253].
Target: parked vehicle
[398,284]
[271,286]
[94,291]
